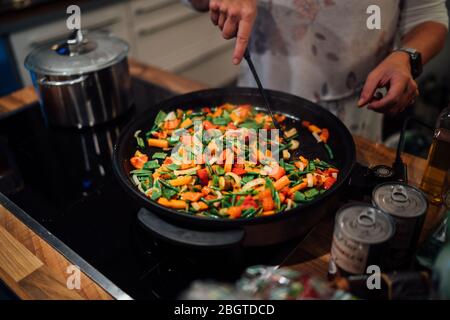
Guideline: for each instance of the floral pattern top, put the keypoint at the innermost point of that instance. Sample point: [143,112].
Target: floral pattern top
[322,50]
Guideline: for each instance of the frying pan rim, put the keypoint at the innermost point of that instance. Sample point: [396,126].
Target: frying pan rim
[138,123]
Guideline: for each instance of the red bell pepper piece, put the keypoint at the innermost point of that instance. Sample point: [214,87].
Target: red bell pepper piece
[329,183]
[231,126]
[238,171]
[248,203]
[208,125]
[329,171]
[203,176]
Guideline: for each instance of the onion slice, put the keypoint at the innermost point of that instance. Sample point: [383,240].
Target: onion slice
[235,177]
[253,183]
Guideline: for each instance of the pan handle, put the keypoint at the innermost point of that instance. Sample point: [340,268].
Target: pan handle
[188,237]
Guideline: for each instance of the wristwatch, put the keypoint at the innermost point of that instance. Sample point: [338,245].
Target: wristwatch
[415,60]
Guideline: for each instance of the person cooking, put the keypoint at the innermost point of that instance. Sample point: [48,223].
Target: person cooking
[327,52]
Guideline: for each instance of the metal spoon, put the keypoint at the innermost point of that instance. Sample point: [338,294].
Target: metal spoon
[260,87]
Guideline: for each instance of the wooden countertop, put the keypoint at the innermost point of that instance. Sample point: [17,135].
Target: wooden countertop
[36,270]
[312,255]
[33,269]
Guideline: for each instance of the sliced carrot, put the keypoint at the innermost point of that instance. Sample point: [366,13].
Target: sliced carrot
[186,123]
[164,202]
[178,204]
[199,206]
[181,181]
[138,162]
[267,201]
[171,124]
[268,213]
[228,106]
[281,183]
[234,212]
[324,135]
[187,165]
[277,172]
[304,160]
[244,110]
[206,190]
[229,159]
[228,167]
[159,143]
[314,128]
[235,118]
[217,113]
[191,196]
[259,118]
[298,187]
[175,204]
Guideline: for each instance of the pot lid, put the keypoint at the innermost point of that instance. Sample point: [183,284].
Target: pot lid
[78,55]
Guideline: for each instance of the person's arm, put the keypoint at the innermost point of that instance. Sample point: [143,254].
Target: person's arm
[235,18]
[200,5]
[424,28]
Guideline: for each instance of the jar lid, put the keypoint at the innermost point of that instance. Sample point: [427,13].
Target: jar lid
[400,200]
[79,55]
[364,224]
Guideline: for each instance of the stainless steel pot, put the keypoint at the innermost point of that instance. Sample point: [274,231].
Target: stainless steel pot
[84,81]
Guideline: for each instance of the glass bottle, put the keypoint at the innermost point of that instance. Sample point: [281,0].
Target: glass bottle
[436,178]
[441,268]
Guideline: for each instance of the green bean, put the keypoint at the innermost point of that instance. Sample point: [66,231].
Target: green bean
[329,151]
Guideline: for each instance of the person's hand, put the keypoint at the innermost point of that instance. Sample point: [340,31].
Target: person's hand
[235,18]
[394,73]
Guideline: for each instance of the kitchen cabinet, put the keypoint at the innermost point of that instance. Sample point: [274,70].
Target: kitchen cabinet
[174,37]
[164,33]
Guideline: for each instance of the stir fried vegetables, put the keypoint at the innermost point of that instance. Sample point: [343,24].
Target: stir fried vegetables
[214,163]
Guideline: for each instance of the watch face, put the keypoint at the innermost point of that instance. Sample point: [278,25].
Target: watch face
[415,60]
[417,64]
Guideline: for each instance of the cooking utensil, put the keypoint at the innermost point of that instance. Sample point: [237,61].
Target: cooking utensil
[188,230]
[83,81]
[260,87]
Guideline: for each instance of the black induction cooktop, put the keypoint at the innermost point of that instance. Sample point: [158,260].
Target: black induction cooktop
[63,179]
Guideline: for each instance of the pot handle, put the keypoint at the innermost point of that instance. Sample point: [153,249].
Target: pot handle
[188,237]
[45,82]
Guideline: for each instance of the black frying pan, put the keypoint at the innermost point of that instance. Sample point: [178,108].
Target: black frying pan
[184,229]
